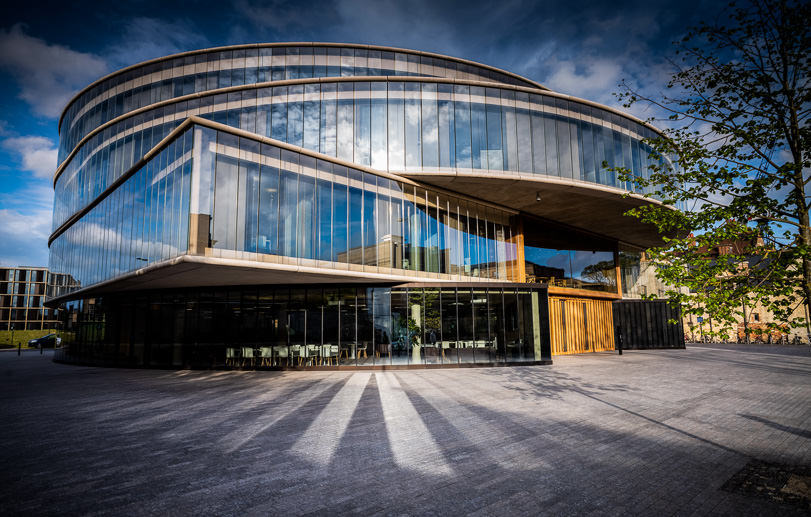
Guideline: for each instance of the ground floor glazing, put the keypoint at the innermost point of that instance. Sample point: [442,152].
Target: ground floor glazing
[312,327]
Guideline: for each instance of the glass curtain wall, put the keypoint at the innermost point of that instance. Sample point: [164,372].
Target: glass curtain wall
[145,220]
[316,211]
[186,75]
[306,328]
[395,126]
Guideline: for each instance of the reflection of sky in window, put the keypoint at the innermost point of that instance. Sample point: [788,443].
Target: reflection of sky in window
[547,257]
[560,259]
[583,259]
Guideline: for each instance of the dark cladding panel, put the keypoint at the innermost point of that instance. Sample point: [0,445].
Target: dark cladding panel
[644,324]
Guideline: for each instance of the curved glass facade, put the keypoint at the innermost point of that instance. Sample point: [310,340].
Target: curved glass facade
[210,70]
[275,206]
[259,199]
[144,220]
[399,127]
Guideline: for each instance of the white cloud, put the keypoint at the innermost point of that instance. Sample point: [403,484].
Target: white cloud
[47,75]
[37,154]
[592,79]
[24,232]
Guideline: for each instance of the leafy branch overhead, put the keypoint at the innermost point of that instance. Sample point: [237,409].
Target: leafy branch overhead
[737,110]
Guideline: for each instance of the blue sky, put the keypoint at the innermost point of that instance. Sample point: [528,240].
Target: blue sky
[50,50]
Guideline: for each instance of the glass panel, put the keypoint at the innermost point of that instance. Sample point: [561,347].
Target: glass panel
[311,114]
[508,127]
[589,170]
[396,127]
[462,125]
[446,127]
[379,158]
[225,194]
[369,221]
[305,215]
[432,328]
[400,343]
[324,225]
[355,233]
[397,219]
[329,113]
[430,138]
[416,325]
[382,326]
[365,315]
[345,136]
[496,346]
[546,265]
[279,114]
[530,327]
[482,347]
[413,142]
[330,328]
[297,327]
[465,327]
[594,270]
[512,327]
[432,249]
[287,213]
[564,147]
[348,325]
[449,343]
[478,123]
[339,219]
[494,148]
[251,213]
[269,203]
[383,246]
[362,124]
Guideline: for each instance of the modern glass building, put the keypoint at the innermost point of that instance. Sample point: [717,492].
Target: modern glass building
[326,205]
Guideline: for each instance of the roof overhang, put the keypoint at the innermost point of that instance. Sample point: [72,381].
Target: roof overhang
[583,205]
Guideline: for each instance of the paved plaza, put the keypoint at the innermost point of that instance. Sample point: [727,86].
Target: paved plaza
[649,432]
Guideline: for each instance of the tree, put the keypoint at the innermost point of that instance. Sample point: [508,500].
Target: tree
[738,106]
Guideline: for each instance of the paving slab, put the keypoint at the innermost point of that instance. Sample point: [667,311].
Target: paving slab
[648,432]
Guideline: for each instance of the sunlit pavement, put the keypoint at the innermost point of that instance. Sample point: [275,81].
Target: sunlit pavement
[654,432]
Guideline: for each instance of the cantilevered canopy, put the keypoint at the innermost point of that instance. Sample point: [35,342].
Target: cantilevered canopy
[587,206]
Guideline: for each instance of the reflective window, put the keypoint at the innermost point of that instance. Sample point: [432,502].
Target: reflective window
[396,126]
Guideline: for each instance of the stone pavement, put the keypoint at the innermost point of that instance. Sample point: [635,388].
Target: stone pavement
[650,432]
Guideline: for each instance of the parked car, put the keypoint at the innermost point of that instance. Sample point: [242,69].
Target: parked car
[49,341]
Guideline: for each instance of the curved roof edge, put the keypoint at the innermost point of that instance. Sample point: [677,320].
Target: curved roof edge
[287,44]
[61,166]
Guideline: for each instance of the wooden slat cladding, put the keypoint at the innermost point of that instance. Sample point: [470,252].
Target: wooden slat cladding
[579,325]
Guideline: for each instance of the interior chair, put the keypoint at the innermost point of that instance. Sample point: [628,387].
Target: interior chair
[281,352]
[266,353]
[313,354]
[231,356]
[296,354]
[247,355]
